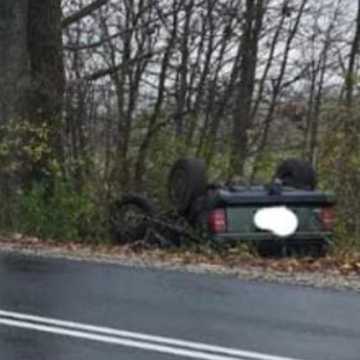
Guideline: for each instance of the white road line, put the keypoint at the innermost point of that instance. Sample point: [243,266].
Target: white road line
[117,341]
[144,337]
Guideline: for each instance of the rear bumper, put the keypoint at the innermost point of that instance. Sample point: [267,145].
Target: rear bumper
[308,237]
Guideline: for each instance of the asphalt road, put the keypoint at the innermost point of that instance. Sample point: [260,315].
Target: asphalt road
[57,309]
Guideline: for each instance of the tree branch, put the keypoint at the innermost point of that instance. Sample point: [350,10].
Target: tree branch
[113,69]
[87,10]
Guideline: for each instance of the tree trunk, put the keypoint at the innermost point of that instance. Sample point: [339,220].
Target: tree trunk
[46,66]
[243,107]
[32,79]
[350,81]
[14,59]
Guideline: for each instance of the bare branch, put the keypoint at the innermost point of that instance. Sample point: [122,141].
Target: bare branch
[86,11]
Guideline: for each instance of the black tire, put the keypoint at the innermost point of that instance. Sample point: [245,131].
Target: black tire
[187,181]
[297,173]
[128,218]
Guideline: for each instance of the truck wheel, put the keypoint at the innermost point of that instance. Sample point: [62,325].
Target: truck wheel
[187,181]
[128,218]
[296,173]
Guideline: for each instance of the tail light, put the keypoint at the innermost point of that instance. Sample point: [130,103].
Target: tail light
[217,221]
[328,217]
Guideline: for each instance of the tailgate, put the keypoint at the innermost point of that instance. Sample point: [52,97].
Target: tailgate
[241,219]
[241,207]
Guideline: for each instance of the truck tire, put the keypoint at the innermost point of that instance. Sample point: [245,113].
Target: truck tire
[296,173]
[187,181]
[128,218]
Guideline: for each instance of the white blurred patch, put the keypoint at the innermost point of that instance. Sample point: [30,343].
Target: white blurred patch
[281,221]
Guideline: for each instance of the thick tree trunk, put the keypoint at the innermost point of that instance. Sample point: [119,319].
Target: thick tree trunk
[46,66]
[32,71]
[14,59]
[32,74]
[243,107]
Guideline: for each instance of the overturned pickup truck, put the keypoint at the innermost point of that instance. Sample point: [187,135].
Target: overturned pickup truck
[287,214]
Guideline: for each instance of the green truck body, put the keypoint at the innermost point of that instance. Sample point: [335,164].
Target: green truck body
[242,203]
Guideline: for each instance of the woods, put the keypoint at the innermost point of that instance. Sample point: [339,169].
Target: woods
[110,92]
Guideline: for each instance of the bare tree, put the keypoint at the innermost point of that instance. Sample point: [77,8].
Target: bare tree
[277,82]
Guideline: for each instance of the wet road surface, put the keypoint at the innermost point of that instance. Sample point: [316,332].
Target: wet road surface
[59,309]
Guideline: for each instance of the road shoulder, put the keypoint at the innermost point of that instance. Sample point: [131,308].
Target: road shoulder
[323,274]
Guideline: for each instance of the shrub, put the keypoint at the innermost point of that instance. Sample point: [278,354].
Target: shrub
[66,214]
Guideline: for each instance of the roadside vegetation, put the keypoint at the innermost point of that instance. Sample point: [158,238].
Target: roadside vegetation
[119,90]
